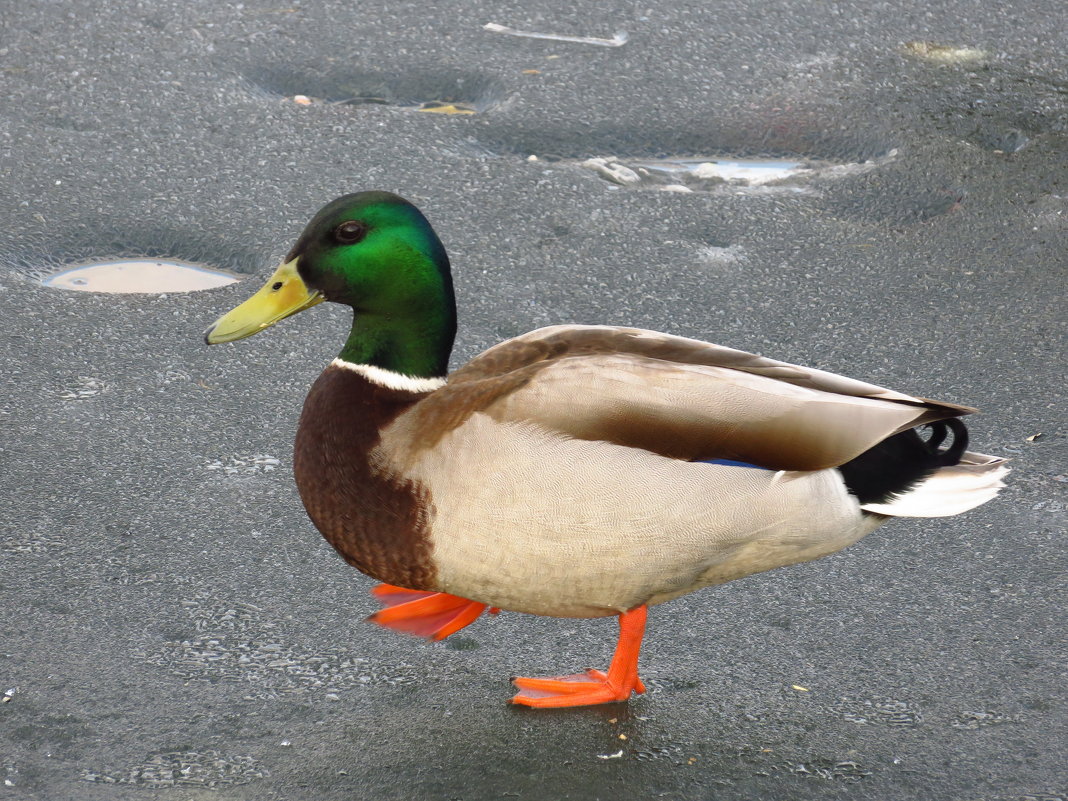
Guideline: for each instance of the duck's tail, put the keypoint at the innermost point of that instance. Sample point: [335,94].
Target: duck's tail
[949,490]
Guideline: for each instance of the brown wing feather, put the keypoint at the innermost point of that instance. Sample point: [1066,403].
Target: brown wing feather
[555,342]
[674,396]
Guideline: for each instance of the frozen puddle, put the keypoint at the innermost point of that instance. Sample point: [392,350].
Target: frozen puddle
[694,174]
[130,276]
[706,175]
[746,173]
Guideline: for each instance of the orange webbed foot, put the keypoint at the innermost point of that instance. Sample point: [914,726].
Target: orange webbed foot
[578,689]
[434,615]
[593,686]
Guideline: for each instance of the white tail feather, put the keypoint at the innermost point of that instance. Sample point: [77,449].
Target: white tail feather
[950,490]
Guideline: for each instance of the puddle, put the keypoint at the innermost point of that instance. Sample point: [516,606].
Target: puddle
[693,174]
[430,91]
[815,137]
[100,253]
[138,276]
[746,173]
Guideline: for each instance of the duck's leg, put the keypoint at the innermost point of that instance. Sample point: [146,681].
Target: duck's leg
[593,686]
[434,615]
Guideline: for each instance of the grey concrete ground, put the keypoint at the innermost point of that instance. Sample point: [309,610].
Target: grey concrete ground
[173,627]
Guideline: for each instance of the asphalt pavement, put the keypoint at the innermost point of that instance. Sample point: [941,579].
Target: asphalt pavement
[173,626]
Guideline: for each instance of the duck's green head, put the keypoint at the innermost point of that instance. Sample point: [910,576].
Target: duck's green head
[375,252]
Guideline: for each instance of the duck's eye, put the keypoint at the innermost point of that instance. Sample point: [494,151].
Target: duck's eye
[350,232]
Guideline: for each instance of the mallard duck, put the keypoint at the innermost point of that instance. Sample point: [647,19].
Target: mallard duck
[575,471]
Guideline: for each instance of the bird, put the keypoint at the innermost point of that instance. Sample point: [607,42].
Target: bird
[575,471]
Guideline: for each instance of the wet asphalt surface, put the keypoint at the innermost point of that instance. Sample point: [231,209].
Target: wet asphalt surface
[174,627]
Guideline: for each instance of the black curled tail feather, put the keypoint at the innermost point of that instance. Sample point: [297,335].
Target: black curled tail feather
[899,463]
[951,455]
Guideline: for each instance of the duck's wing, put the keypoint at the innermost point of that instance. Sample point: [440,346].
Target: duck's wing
[674,396]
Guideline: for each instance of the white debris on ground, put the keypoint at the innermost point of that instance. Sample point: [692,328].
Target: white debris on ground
[85,387]
[618,39]
[244,465]
[613,171]
[734,254]
[943,54]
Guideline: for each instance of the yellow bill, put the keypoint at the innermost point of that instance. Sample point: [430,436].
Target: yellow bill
[284,294]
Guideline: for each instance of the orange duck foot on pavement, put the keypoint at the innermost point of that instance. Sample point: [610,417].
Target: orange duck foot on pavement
[593,686]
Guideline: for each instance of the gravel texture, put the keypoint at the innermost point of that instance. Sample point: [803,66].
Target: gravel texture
[173,621]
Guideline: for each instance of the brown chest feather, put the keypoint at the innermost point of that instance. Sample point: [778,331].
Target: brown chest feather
[377,522]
